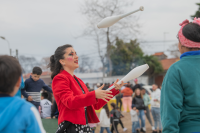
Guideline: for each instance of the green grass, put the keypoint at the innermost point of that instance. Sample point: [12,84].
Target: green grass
[50,125]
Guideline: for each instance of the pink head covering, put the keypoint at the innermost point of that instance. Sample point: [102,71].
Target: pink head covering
[184,41]
[135,80]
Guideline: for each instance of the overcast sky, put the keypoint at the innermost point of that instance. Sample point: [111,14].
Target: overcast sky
[37,28]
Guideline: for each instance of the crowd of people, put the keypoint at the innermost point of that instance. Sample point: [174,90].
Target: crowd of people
[134,98]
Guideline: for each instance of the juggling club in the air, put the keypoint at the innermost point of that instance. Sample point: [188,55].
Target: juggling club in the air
[136,72]
[109,21]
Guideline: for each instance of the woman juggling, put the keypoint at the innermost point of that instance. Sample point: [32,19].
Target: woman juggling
[76,105]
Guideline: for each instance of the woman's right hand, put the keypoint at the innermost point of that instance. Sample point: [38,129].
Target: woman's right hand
[103,94]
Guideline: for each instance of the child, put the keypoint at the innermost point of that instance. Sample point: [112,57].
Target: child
[120,122]
[180,93]
[155,108]
[134,119]
[93,126]
[139,104]
[45,106]
[33,86]
[114,118]
[105,119]
[16,115]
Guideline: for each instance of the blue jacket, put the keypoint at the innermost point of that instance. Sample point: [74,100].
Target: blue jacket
[21,87]
[34,86]
[18,116]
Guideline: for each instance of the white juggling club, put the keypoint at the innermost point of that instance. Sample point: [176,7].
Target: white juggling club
[136,72]
[109,21]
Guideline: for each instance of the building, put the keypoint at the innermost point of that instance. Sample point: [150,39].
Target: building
[166,63]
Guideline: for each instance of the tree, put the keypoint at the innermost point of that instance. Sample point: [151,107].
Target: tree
[155,66]
[123,55]
[95,11]
[85,64]
[197,14]
[27,63]
[126,56]
[174,50]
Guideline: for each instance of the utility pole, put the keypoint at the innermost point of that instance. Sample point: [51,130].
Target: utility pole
[164,40]
[17,54]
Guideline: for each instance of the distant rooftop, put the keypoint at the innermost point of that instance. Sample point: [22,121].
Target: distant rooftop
[159,53]
[166,63]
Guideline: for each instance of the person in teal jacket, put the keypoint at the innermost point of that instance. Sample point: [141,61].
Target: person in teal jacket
[180,93]
[21,87]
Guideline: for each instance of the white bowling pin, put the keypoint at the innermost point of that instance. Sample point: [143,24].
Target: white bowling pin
[135,73]
[109,21]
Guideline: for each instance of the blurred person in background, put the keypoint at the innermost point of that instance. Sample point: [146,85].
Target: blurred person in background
[134,119]
[155,108]
[104,119]
[120,122]
[127,97]
[87,84]
[119,100]
[21,87]
[45,105]
[147,102]
[54,110]
[114,118]
[139,104]
[136,85]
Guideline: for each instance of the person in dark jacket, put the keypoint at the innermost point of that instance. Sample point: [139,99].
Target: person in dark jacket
[121,116]
[54,111]
[136,85]
[114,117]
[139,104]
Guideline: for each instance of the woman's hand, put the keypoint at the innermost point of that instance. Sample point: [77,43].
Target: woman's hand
[103,94]
[117,87]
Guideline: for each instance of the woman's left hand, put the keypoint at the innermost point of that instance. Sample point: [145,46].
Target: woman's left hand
[117,87]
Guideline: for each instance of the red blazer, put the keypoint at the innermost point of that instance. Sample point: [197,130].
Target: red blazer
[71,100]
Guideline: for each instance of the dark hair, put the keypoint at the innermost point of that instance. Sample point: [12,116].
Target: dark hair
[45,95]
[10,72]
[37,70]
[191,31]
[113,105]
[107,110]
[54,64]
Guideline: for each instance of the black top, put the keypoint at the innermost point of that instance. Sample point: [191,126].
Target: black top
[139,103]
[114,115]
[135,87]
[54,111]
[83,93]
